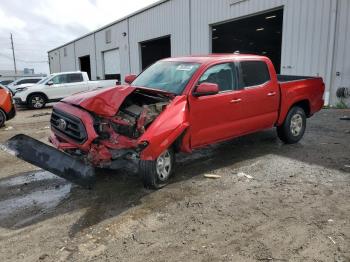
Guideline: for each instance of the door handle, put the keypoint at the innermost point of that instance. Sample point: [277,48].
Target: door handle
[235,101]
[271,94]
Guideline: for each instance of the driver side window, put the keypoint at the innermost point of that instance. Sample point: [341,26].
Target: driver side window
[224,75]
[60,79]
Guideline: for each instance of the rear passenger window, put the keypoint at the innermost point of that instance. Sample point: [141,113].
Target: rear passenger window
[74,78]
[223,74]
[254,73]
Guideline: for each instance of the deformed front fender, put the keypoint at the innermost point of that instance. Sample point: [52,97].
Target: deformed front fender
[163,132]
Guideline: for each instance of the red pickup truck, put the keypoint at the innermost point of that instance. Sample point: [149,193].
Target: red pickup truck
[178,105]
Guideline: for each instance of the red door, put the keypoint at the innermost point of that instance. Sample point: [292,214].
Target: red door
[245,105]
[260,102]
[210,116]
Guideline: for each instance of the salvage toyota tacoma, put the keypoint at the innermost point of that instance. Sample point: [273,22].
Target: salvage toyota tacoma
[176,105]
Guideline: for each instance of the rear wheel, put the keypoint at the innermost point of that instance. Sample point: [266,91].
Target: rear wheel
[155,174]
[293,128]
[37,101]
[2,118]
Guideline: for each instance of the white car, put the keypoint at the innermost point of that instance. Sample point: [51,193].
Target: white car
[23,82]
[56,87]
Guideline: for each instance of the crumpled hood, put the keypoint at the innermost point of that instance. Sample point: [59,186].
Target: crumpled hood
[103,102]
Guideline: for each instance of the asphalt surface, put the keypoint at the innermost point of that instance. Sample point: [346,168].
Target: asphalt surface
[270,202]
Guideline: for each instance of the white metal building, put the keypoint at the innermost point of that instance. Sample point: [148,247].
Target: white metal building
[303,37]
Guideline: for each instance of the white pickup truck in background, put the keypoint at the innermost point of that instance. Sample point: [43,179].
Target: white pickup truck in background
[23,82]
[56,87]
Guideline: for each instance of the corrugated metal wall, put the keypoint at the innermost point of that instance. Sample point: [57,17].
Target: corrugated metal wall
[67,62]
[308,42]
[54,61]
[169,18]
[118,41]
[308,38]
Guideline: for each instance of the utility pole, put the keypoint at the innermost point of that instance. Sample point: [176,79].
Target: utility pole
[14,57]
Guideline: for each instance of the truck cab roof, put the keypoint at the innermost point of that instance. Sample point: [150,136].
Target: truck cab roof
[63,73]
[213,58]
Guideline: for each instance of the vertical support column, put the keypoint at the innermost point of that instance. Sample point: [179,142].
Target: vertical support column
[329,79]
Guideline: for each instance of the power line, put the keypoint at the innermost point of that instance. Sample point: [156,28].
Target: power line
[25,49]
[24,61]
[6,56]
[26,39]
[20,60]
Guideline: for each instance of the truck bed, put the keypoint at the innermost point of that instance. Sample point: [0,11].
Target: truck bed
[292,78]
[308,90]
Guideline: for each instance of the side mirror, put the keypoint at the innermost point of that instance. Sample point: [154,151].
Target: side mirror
[206,89]
[50,83]
[129,79]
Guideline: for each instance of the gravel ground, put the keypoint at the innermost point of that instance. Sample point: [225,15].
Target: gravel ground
[270,202]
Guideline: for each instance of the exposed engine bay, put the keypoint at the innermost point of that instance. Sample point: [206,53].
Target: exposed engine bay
[135,115]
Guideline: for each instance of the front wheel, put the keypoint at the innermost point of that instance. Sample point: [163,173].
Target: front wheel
[36,101]
[155,174]
[293,128]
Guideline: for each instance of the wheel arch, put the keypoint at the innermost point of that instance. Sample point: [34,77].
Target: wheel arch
[162,142]
[37,93]
[304,103]
[165,129]
[177,144]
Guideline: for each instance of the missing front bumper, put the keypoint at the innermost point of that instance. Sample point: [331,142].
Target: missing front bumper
[50,159]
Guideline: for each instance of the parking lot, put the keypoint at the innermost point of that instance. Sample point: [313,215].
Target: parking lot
[269,202]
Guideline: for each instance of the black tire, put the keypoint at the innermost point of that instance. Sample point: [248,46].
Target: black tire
[150,175]
[293,128]
[36,101]
[2,118]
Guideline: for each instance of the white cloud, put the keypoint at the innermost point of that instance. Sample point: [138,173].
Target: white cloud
[8,22]
[40,25]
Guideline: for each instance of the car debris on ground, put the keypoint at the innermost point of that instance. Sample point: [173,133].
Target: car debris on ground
[212,176]
[242,174]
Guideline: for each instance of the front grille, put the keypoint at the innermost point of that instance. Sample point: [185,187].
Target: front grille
[68,125]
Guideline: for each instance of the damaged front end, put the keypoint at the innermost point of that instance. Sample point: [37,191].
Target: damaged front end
[104,129]
[106,138]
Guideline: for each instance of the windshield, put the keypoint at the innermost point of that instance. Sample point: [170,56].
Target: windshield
[42,81]
[167,76]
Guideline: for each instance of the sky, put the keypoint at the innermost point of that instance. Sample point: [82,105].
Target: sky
[40,25]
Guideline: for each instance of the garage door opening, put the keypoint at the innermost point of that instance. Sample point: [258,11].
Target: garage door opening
[260,35]
[154,50]
[111,61]
[85,65]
